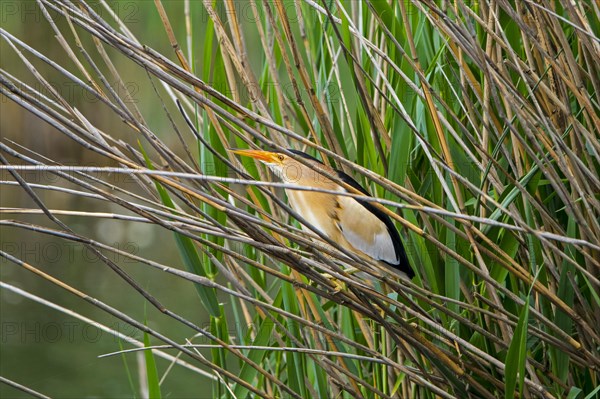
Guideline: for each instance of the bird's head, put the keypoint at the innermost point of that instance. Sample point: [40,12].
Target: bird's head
[284,166]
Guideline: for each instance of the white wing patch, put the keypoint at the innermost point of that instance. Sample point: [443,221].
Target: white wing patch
[365,231]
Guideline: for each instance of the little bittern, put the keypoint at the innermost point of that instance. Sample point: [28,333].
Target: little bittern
[354,224]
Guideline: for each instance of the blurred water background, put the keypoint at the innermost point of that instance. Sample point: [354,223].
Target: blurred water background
[36,340]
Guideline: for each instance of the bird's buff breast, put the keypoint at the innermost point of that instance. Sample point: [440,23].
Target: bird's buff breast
[316,209]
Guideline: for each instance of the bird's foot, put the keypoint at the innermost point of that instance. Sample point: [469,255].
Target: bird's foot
[337,284]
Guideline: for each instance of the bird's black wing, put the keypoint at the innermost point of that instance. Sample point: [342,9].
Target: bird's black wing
[403,263]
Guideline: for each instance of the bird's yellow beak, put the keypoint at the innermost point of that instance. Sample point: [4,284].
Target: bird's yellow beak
[264,156]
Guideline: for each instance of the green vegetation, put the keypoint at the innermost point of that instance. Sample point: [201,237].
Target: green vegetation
[475,124]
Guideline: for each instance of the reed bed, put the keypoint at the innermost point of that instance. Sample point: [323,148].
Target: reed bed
[473,124]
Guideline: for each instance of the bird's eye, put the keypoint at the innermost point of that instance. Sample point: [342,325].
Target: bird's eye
[280,157]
